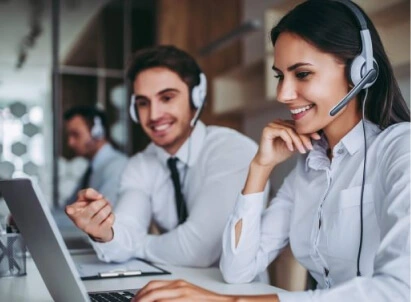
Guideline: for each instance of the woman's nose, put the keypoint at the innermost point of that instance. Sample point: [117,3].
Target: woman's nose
[286,91]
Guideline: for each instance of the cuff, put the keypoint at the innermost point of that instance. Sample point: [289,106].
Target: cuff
[104,249]
[248,208]
[250,204]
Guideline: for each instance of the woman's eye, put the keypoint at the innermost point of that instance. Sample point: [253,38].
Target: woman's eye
[279,76]
[303,74]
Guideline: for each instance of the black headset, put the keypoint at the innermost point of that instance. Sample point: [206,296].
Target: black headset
[198,98]
[363,71]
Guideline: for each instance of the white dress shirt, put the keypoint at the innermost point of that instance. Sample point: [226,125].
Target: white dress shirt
[320,190]
[213,165]
[107,169]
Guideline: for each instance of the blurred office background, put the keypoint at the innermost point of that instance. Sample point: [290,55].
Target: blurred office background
[58,53]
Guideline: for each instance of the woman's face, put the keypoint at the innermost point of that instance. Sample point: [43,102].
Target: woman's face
[311,83]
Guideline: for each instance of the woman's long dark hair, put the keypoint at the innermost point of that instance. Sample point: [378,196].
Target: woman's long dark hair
[333,28]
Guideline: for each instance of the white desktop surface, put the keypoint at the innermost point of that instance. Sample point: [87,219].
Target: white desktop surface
[32,288]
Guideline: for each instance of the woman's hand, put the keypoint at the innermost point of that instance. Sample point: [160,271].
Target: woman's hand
[180,290]
[279,141]
[176,290]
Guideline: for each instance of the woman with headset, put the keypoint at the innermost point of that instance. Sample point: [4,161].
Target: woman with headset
[344,208]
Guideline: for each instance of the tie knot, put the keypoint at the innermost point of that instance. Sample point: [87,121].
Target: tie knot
[172,163]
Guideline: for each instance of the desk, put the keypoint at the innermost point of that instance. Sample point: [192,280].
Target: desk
[32,288]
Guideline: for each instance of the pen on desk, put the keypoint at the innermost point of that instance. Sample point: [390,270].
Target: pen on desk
[119,274]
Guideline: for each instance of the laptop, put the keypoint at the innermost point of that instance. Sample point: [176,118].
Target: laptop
[35,222]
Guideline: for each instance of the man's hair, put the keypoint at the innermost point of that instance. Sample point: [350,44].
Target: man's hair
[88,113]
[169,57]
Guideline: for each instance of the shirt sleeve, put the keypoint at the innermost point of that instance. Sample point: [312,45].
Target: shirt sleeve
[130,231]
[264,233]
[390,280]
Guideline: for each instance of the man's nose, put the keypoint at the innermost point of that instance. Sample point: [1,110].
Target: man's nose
[70,142]
[156,111]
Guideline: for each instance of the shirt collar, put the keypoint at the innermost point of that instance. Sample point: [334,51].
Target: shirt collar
[351,142]
[190,150]
[101,156]
[354,140]
[317,157]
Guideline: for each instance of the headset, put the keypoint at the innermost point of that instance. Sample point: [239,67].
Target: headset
[97,131]
[197,99]
[363,71]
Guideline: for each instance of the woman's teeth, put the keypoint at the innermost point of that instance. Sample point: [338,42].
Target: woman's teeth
[302,109]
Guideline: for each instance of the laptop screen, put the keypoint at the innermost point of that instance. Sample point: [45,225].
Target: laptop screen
[45,243]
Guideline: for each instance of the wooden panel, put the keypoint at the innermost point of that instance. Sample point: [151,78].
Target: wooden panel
[191,25]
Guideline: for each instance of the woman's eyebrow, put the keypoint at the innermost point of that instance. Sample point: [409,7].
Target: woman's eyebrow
[292,67]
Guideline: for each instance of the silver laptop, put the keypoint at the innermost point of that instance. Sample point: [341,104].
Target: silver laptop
[45,243]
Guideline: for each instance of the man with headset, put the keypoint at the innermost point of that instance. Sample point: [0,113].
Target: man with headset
[186,181]
[86,129]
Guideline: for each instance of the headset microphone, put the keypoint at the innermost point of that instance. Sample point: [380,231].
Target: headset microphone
[193,122]
[370,76]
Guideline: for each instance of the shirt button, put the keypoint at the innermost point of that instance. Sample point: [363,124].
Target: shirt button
[341,151]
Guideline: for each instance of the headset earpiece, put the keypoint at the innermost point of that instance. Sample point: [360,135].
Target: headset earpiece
[97,131]
[357,71]
[199,92]
[363,70]
[132,109]
[198,96]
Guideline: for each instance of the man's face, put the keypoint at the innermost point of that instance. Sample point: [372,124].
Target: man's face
[79,137]
[163,107]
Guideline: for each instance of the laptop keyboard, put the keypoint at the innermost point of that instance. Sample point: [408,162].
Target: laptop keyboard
[111,297]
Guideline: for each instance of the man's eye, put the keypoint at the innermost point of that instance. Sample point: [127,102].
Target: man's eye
[279,76]
[141,103]
[166,98]
[303,74]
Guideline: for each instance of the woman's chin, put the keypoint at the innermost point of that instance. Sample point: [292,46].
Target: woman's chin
[306,130]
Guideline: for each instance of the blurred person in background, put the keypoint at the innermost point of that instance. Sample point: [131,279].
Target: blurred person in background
[87,135]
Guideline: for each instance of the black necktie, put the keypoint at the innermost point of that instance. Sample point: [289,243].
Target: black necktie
[85,181]
[180,203]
